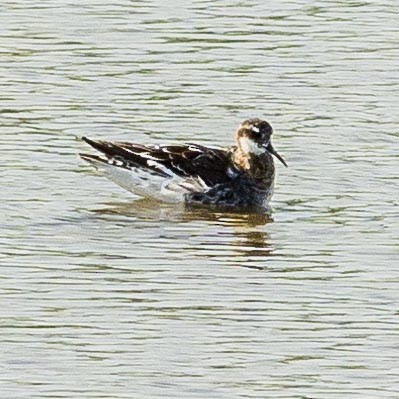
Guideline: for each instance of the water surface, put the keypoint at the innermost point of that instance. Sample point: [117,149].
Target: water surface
[107,297]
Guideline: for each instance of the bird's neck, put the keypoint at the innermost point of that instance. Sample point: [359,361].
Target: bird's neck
[256,166]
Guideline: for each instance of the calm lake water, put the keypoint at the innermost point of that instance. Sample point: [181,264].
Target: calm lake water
[103,296]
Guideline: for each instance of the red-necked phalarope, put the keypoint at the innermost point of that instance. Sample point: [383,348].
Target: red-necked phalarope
[239,177]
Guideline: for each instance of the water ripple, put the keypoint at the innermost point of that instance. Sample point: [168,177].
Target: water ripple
[107,297]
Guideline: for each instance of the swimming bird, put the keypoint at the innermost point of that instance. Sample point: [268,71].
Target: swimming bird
[238,177]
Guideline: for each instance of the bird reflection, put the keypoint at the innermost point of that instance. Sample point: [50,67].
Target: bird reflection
[239,238]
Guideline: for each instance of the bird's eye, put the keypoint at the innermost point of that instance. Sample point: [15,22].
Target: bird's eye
[255,131]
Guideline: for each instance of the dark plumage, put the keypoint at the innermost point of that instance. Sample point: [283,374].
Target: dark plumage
[239,177]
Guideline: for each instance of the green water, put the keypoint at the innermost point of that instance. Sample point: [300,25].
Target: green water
[106,297]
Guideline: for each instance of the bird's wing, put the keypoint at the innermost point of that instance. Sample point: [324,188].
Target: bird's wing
[209,165]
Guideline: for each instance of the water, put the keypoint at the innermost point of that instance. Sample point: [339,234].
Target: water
[106,297]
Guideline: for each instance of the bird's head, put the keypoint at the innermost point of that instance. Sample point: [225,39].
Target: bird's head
[253,138]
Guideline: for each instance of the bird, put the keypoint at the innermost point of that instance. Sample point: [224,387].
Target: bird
[234,178]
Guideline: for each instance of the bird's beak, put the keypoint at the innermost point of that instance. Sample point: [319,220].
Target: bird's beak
[276,154]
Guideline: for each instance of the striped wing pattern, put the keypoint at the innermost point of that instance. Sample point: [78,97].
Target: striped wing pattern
[191,161]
